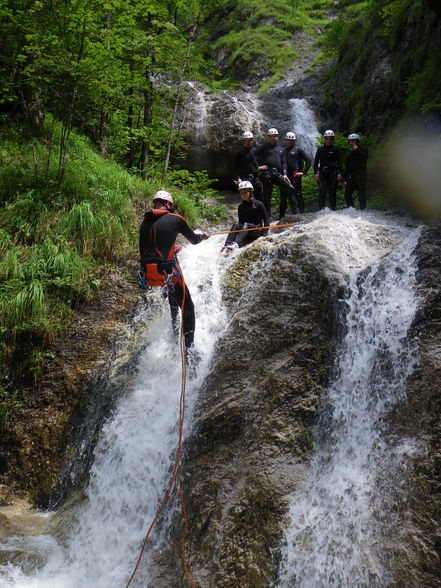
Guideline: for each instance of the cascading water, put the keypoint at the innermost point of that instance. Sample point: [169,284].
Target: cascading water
[304,125]
[132,464]
[352,501]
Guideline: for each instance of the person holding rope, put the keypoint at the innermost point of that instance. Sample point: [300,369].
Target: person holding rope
[157,248]
[251,214]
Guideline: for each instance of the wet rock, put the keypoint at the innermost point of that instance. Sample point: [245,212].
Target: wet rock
[420,419]
[37,436]
[252,431]
[212,125]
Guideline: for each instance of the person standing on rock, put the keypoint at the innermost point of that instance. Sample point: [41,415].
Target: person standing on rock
[327,170]
[251,214]
[272,162]
[298,164]
[246,167]
[356,172]
[157,249]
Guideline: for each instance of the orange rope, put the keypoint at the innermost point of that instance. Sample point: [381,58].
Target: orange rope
[177,462]
[253,229]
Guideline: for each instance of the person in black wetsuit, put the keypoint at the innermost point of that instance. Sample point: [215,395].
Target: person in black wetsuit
[272,161]
[356,172]
[327,170]
[298,164]
[251,214]
[246,167]
[157,236]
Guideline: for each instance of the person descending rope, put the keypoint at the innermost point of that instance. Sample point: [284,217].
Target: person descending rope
[251,213]
[157,248]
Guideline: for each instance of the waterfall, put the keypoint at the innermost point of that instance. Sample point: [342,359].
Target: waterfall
[133,458]
[351,503]
[304,125]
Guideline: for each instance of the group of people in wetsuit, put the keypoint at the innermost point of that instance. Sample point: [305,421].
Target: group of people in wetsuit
[270,164]
[257,169]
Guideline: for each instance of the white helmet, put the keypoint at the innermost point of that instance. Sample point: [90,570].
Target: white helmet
[354,136]
[163,195]
[245,186]
[247,135]
[328,133]
[290,136]
[272,131]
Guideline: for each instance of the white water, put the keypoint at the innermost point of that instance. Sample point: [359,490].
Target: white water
[341,523]
[304,125]
[346,512]
[133,458]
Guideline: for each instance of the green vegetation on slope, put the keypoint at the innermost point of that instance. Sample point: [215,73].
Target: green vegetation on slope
[253,40]
[386,57]
[57,241]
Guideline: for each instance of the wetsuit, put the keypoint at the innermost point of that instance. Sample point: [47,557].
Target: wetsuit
[246,167]
[297,161]
[327,164]
[157,236]
[250,215]
[273,157]
[356,176]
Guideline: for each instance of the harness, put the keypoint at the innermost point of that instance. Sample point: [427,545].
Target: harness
[158,272]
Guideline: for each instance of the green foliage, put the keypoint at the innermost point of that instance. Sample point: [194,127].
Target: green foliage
[197,198]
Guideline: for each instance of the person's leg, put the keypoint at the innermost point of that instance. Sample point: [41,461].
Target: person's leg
[298,192]
[174,312]
[189,316]
[247,235]
[333,192]
[287,189]
[362,194]
[283,202]
[232,235]
[349,190]
[267,191]
[323,189]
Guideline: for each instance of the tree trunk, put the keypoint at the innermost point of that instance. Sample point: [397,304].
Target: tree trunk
[148,111]
[104,115]
[178,93]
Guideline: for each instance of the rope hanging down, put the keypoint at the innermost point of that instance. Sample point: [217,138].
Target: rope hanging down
[177,462]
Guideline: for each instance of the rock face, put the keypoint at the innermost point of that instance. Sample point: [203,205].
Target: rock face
[421,419]
[38,436]
[252,432]
[212,125]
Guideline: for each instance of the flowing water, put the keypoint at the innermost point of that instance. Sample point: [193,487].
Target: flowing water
[133,458]
[304,125]
[348,509]
[351,504]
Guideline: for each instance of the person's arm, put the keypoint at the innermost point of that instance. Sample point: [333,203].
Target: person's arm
[339,166]
[283,165]
[307,160]
[193,237]
[316,163]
